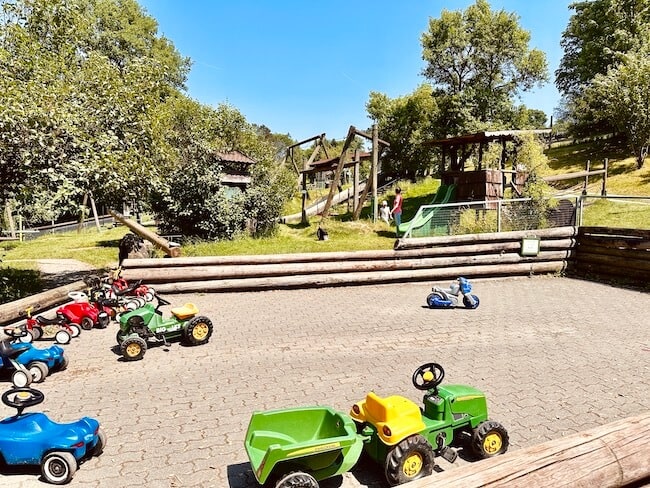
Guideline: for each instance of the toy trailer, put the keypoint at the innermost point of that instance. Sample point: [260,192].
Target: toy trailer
[301,445]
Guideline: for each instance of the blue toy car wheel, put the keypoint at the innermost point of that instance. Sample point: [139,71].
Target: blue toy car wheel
[58,468]
[469,304]
[437,300]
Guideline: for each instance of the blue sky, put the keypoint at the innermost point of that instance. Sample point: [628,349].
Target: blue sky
[308,67]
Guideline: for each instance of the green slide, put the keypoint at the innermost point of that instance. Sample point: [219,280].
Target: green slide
[444,194]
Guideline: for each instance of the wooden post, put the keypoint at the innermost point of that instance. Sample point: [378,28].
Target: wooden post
[584,190]
[373,169]
[303,218]
[10,220]
[94,210]
[356,188]
[82,216]
[603,191]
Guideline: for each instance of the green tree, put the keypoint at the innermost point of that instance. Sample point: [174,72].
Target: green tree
[406,123]
[621,97]
[80,89]
[480,60]
[597,34]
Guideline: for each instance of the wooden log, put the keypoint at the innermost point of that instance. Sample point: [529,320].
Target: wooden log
[194,273]
[555,232]
[613,231]
[9,312]
[628,264]
[496,247]
[142,231]
[369,277]
[608,456]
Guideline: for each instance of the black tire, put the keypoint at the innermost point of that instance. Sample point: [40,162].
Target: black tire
[28,338]
[489,439]
[119,337]
[133,348]
[469,304]
[38,370]
[431,299]
[297,480]
[198,330]
[58,468]
[63,365]
[409,460]
[87,323]
[103,319]
[37,333]
[101,444]
[74,330]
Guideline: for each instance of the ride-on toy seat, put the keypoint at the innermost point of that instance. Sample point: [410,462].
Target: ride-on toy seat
[185,312]
[34,439]
[401,414]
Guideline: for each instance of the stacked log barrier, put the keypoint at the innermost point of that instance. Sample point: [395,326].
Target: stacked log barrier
[608,456]
[422,259]
[608,254]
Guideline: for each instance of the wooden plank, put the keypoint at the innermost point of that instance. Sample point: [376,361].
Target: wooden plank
[629,264]
[608,456]
[614,251]
[347,279]
[615,242]
[613,231]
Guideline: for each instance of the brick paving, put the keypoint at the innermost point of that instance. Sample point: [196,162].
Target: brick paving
[554,355]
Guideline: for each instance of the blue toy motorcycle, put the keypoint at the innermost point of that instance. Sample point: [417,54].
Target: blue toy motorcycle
[29,363]
[449,297]
[34,439]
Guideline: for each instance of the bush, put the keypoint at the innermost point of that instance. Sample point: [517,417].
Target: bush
[18,283]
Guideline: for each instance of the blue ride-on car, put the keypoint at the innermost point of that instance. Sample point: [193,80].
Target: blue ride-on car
[29,363]
[33,439]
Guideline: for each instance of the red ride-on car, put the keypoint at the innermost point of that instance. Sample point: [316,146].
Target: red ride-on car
[81,311]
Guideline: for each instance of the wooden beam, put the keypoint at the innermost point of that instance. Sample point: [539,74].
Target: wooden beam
[369,137]
[608,456]
[337,173]
[145,233]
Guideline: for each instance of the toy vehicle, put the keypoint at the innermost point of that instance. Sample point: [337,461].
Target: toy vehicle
[300,446]
[81,311]
[29,363]
[297,446]
[34,439]
[146,324]
[114,300]
[448,297]
[406,438]
[35,325]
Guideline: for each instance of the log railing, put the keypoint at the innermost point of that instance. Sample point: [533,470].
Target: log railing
[477,255]
[621,255]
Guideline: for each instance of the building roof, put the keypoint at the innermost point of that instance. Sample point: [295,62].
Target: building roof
[234,157]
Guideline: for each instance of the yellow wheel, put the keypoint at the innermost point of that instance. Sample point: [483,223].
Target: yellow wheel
[198,330]
[409,460]
[133,348]
[412,465]
[489,438]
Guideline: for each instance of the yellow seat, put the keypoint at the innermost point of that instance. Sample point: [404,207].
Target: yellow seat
[185,312]
[402,417]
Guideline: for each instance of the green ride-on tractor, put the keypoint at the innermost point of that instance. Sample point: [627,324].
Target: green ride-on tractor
[297,447]
[146,324]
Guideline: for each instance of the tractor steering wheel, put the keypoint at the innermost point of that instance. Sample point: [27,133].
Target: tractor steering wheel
[428,376]
[21,398]
[16,332]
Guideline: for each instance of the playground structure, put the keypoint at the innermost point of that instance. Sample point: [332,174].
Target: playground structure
[336,165]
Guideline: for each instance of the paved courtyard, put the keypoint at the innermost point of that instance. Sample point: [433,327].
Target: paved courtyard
[554,355]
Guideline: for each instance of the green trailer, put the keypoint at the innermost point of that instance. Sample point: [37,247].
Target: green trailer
[300,446]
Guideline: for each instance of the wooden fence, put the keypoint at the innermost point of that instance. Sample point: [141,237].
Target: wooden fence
[425,259]
[621,255]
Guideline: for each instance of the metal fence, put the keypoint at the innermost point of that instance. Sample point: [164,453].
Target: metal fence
[527,214]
